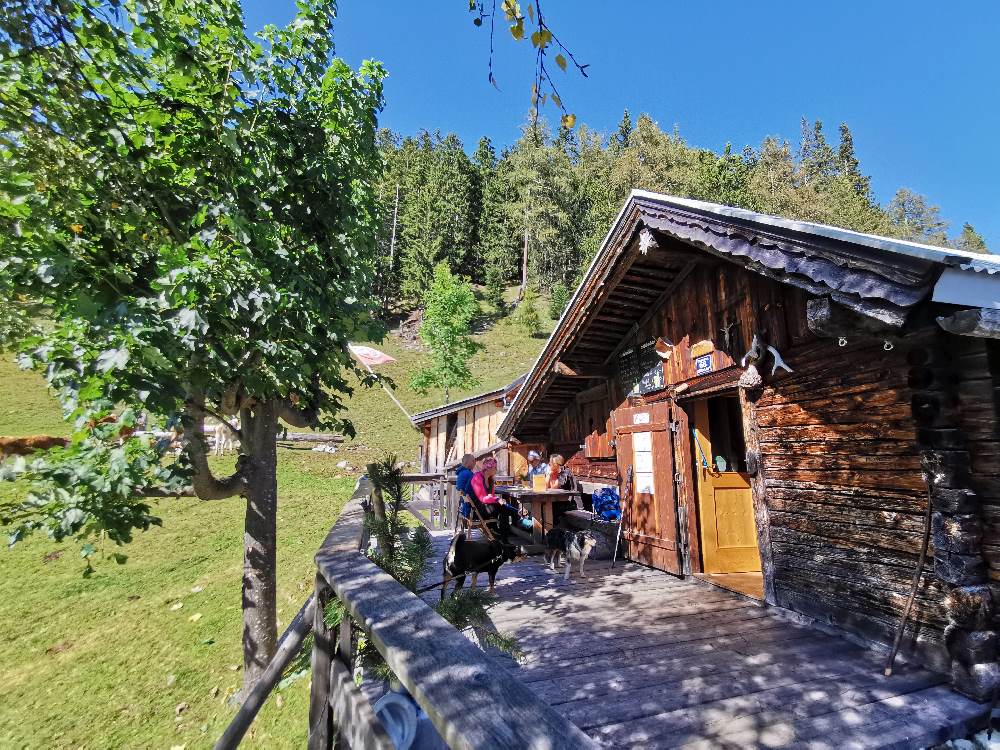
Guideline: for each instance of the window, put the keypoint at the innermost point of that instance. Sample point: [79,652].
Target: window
[642,462]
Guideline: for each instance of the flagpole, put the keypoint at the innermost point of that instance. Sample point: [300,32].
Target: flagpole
[390,393]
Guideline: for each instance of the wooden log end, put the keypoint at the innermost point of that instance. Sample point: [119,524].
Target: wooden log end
[958,569]
[971,646]
[977,681]
[969,607]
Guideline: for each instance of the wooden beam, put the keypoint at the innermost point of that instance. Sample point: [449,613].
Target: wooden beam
[978,321]
[654,306]
[828,319]
[561,368]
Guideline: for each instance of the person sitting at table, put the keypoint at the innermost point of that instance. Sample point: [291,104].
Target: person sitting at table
[463,482]
[491,505]
[535,466]
[560,477]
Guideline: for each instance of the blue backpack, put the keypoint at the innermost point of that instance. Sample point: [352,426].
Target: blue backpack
[606,504]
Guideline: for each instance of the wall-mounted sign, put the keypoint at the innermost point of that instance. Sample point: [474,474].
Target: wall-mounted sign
[703,364]
[641,417]
[640,369]
[701,348]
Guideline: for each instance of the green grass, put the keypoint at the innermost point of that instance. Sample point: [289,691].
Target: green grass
[507,354]
[107,662]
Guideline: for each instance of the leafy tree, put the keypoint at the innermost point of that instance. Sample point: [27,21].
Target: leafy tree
[526,316]
[911,218]
[197,210]
[559,299]
[450,308]
[971,241]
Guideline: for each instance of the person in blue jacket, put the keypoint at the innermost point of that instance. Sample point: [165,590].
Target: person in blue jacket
[463,481]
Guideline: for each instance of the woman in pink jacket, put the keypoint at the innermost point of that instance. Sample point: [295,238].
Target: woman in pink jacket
[492,506]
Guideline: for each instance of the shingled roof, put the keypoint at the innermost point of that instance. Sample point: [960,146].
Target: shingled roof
[657,239]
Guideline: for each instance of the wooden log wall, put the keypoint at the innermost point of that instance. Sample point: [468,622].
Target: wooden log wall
[587,422]
[473,429]
[726,305]
[840,463]
[845,493]
[965,463]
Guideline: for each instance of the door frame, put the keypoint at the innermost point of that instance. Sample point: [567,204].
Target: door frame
[758,484]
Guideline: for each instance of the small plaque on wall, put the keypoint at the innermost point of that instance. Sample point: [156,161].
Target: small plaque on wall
[703,364]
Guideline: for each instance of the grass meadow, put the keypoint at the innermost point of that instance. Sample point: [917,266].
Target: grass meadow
[146,654]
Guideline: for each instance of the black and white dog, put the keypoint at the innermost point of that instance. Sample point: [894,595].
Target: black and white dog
[474,556]
[573,545]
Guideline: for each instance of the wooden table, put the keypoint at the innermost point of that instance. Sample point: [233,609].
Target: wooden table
[539,504]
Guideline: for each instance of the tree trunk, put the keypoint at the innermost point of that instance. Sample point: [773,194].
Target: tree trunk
[524,259]
[260,544]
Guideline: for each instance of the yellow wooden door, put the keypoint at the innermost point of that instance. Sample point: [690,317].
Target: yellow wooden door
[725,508]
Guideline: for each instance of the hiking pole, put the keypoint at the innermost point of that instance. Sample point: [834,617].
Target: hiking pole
[621,517]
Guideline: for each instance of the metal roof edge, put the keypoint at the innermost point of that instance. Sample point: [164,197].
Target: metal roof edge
[437,411]
[946,255]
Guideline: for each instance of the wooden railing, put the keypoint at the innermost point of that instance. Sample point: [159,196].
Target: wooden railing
[473,702]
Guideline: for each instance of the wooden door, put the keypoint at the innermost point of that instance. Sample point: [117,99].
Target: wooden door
[725,508]
[649,521]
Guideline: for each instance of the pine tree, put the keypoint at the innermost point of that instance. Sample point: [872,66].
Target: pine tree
[439,213]
[621,138]
[911,218]
[817,161]
[971,241]
[543,179]
[526,316]
[848,164]
[498,250]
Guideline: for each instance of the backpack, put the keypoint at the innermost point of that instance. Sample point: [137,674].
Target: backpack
[607,506]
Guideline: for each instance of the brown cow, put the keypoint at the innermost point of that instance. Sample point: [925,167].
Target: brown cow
[23,446]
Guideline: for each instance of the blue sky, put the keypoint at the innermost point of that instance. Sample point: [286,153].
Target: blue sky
[917,81]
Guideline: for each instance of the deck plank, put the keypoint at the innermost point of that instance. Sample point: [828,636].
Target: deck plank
[639,658]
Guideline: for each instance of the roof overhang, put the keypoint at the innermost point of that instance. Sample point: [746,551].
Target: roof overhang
[465,403]
[878,277]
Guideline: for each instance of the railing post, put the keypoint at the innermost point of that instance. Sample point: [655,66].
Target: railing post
[320,718]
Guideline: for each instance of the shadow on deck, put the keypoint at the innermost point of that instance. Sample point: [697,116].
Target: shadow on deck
[637,658]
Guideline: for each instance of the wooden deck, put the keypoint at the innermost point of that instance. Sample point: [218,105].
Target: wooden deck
[637,658]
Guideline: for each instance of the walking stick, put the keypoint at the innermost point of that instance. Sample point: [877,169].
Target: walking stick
[621,518]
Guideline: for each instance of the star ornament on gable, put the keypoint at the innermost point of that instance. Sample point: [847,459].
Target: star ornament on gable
[647,241]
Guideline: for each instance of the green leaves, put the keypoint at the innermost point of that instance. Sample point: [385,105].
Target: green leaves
[196,210]
[449,309]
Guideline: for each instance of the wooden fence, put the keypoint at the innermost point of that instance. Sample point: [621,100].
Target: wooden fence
[473,702]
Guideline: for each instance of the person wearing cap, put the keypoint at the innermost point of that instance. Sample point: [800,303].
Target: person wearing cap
[536,466]
[491,506]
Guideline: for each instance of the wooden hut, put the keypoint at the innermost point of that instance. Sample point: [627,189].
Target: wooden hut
[783,405]
[467,426]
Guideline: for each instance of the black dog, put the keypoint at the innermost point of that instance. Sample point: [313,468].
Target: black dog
[475,556]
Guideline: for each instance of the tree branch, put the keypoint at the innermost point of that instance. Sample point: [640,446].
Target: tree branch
[205,484]
[206,412]
[295,416]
